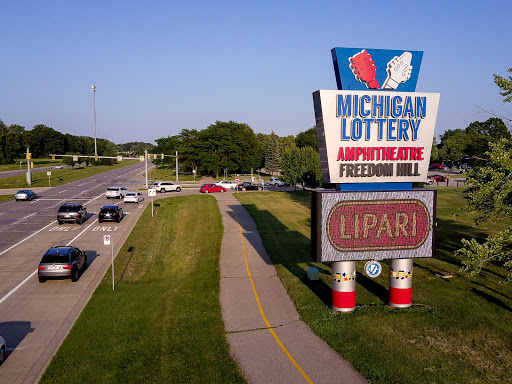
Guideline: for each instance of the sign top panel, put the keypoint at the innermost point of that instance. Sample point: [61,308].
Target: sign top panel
[376,69]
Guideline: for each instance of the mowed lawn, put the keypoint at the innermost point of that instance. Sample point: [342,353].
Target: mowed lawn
[163,322]
[459,329]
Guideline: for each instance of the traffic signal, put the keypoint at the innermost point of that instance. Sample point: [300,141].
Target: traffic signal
[53,157]
[162,156]
[154,156]
[31,164]
[29,155]
[149,156]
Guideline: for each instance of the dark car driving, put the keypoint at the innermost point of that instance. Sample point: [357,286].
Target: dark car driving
[248,186]
[61,263]
[110,213]
[71,213]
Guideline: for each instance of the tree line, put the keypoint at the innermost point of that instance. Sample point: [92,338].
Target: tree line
[43,140]
[236,148]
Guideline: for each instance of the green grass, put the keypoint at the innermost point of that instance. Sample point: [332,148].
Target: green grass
[59,176]
[163,322]
[168,174]
[6,198]
[458,330]
[38,163]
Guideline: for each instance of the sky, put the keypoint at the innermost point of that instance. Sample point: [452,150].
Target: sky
[163,66]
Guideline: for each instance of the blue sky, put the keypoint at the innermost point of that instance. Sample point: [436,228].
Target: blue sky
[162,66]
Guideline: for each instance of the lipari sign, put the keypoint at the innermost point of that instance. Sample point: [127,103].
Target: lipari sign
[375,136]
[373,225]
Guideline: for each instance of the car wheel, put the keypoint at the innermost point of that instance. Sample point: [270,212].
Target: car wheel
[100,221]
[60,222]
[42,279]
[16,199]
[79,221]
[206,191]
[178,189]
[74,276]
[259,188]
[118,220]
[222,190]
[2,355]
[162,190]
[243,189]
[85,264]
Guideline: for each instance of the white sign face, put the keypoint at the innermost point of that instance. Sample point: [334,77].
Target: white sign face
[151,192]
[48,173]
[237,179]
[375,136]
[106,240]
[141,158]
[75,158]
[119,158]
[193,171]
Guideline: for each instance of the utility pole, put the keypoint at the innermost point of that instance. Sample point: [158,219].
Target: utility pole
[29,174]
[93,87]
[146,161]
[176,166]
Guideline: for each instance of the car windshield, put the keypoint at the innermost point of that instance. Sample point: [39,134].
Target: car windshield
[68,209]
[112,189]
[55,259]
[130,194]
[22,191]
[107,210]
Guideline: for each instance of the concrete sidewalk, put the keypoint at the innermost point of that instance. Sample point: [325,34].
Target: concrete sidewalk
[268,340]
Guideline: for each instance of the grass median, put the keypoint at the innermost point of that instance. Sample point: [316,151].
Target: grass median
[163,322]
[458,330]
[59,176]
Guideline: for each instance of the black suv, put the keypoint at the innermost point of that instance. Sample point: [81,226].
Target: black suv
[111,213]
[61,263]
[72,213]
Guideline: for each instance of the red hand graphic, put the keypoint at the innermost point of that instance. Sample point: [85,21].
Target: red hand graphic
[364,69]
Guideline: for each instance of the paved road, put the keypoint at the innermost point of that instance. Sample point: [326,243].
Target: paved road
[23,171]
[34,317]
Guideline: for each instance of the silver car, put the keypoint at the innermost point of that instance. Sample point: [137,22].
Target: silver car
[25,194]
[62,262]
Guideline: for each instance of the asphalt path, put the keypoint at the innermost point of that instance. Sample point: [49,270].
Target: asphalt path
[35,318]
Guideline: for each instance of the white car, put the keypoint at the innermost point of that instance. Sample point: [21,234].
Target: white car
[276,182]
[116,192]
[3,349]
[227,184]
[164,186]
[133,197]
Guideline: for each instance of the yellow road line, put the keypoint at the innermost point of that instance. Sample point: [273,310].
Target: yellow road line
[263,313]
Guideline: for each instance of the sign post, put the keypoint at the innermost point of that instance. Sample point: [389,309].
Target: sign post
[49,175]
[375,138]
[152,193]
[107,241]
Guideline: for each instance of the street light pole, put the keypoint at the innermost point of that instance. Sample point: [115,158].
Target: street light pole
[93,87]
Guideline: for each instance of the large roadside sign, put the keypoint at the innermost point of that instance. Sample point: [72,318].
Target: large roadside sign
[373,225]
[374,136]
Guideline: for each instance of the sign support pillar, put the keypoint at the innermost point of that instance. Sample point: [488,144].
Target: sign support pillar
[344,286]
[400,283]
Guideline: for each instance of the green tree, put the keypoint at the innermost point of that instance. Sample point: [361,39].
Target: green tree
[187,150]
[489,197]
[286,143]
[12,142]
[307,139]
[454,145]
[434,154]
[505,84]
[302,165]
[272,157]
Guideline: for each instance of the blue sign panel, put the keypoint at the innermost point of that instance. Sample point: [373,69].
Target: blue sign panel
[377,69]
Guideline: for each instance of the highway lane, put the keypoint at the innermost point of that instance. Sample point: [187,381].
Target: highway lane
[34,317]
[23,171]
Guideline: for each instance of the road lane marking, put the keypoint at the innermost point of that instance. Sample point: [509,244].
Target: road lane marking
[269,327]
[32,214]
[63,191]
[26,238]
[17,287]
